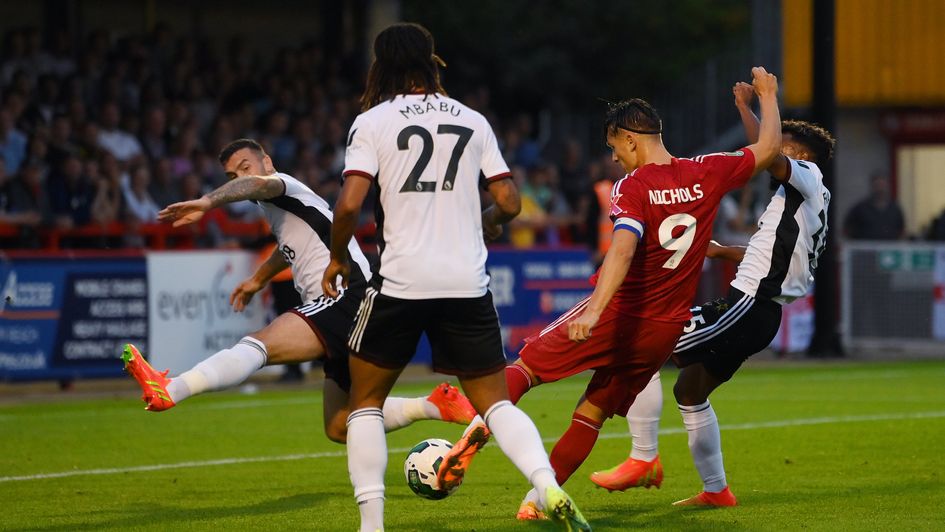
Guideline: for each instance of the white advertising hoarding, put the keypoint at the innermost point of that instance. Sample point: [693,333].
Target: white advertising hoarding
[189,316]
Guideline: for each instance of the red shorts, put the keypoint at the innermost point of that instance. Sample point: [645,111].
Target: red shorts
[624,352]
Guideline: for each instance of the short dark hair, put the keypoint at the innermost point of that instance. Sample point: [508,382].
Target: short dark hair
[634,115]
[238,145]
[815,138]
[404,61]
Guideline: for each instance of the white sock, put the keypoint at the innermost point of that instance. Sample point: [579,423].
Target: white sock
[472,424]
[705,444]
[519,440]
[532,496]
[402,411]
[367,462]
[644,420]
[222,370]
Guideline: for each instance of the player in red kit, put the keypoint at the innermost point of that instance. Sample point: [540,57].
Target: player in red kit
[626,330]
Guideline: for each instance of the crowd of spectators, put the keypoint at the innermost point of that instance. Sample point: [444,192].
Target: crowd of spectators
[114,128]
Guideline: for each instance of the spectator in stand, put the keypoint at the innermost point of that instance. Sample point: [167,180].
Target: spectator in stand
[532,220]
[164,187]
[139,205]
[541,187]
[937,228]
[70,195]
[735,223]
[191,187]
[27,194]
[12,141]
[11,213]
[876,217]
[37,149]
[185,146]
[120,143]
[61,144]
[281,143]
[107,204]
[154,133]
[521,148]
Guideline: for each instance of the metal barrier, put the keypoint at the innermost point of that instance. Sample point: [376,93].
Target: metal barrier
[893,297]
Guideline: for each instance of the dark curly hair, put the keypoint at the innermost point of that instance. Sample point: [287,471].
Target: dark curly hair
[815,138]
[633,115]
[404,62]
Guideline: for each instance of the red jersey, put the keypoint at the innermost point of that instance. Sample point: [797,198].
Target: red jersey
[671,207]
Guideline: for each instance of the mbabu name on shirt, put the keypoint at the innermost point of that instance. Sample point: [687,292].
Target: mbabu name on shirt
[418,109]
[676,195]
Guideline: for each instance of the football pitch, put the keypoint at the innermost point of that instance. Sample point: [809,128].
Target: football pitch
[813,446]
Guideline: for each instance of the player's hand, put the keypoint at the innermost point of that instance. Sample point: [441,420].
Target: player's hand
[330,278]
[744,94]
[579,329]
[244,293]
[765,83]
[185,212]
[491,232]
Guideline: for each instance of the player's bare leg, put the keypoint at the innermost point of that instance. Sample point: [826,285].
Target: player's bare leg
[287,339]
[335,408]
[367,444]
[519,440]
[692,390]
[569,452]
[519,378]
[642,468]
[445,403]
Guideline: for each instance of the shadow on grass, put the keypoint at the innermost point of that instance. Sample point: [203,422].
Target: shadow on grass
[167,516]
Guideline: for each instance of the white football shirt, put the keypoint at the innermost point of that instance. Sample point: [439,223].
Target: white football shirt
[782,255]
[426,154]
[301,222]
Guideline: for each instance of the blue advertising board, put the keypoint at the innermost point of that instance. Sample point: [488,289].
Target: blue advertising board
[67,318]
[530,289]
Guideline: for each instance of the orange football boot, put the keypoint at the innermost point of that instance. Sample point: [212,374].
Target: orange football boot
[452,404]
[153,383]
[632,473]
[529,511]
[711,499]
[456,462]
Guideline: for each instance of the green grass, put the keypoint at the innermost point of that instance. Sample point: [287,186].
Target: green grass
[813,446]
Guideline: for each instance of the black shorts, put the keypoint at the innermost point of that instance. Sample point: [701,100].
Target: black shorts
[330,320]
[722,334]
[463,332]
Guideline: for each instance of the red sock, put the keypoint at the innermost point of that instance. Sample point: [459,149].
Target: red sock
[574,446]
[518,382]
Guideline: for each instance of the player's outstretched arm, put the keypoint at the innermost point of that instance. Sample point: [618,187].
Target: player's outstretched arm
[245,291]
[612,273]
[744,93]
[508,203]
[345,221]
[718,251]
[768,145]
[241,188]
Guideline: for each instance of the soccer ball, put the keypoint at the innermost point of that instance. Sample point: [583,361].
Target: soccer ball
[421,466]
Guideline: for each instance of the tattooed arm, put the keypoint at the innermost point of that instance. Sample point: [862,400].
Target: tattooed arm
[241,188]
[246,188]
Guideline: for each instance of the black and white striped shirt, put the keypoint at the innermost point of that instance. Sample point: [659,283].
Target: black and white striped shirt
[781,257]
[301,221]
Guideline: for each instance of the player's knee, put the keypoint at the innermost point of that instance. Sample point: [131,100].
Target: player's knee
[688,394]
[336,432]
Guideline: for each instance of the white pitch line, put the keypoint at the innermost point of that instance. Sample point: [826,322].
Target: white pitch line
[337,454]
